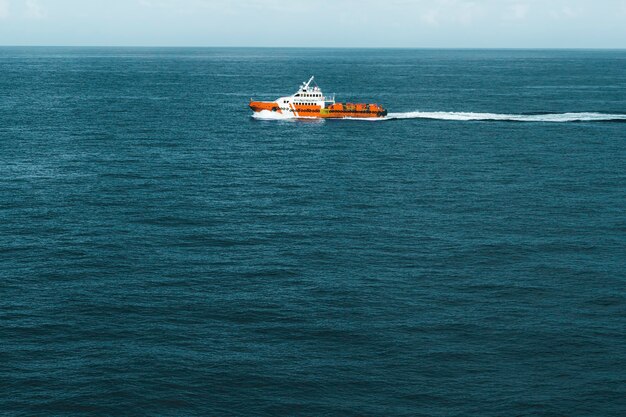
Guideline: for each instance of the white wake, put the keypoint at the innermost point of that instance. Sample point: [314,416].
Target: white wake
[551,117]
[271,115]
[466,116]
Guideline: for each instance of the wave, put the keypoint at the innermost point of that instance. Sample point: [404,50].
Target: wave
[548,117]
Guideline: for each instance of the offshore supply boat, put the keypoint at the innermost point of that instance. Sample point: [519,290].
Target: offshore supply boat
[309,102]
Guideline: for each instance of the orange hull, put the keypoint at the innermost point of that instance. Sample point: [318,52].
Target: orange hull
[335,111]
[309,102]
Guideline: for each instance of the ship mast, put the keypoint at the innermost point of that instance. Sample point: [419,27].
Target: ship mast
[308,82]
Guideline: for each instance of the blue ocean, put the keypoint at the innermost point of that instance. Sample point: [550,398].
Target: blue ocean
[164,253]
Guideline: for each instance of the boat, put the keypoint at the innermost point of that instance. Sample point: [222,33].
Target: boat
[310,103]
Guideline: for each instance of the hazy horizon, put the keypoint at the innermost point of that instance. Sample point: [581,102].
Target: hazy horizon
[316,47]
[434,24]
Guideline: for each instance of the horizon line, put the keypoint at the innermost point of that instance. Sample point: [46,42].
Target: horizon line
[322,47]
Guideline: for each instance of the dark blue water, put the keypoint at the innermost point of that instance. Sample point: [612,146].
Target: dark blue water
[163,253]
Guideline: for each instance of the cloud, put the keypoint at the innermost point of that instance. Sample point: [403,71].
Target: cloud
[568,12]
[467,12]
[452,11]
[4,9]
[430,17]
[34,10]
[517,11]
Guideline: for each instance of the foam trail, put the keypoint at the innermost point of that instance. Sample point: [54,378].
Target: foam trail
[551,117]
[466,116]
[271,115]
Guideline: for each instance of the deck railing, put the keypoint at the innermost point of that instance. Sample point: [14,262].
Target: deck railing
[329,98]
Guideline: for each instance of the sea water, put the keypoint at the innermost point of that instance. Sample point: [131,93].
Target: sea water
[162,252]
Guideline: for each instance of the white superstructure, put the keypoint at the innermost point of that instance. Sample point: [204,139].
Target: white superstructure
[307,95]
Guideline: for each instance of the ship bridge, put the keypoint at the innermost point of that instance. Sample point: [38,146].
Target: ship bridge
[311,92]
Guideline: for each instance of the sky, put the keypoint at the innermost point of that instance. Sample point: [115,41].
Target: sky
[316,23]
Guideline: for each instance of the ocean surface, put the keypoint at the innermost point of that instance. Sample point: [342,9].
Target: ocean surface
[162,252]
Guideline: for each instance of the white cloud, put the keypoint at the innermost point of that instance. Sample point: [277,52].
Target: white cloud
[34,10]
[430,17]
[568,12]
[467,12]
[452,11]
[4,9]
[517,11]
